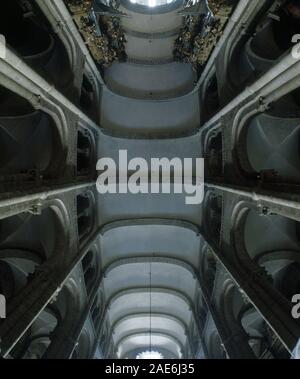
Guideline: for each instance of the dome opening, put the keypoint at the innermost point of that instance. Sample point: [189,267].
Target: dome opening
[150,355]
[152,3]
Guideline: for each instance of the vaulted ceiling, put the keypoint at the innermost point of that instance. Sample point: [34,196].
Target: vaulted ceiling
[150,243]
[90,275]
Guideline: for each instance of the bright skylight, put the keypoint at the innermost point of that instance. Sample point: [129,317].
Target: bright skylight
[149,355]
[151,3]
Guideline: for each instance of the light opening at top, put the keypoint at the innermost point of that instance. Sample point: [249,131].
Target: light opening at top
[150,355]
[152,3]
